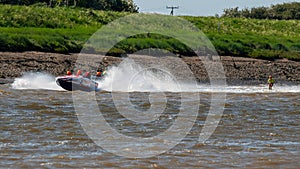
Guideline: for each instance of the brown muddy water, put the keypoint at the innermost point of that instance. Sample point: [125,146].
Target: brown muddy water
[40,129]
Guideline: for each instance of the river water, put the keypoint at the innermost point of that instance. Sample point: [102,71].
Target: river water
[40,128]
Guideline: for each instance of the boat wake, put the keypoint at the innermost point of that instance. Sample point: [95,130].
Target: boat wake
[261,88]
[130,77]
[36,80]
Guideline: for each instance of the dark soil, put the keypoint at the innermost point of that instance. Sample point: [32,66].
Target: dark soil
[238,70]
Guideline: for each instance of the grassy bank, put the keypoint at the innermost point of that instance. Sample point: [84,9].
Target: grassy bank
[268,39]
[65,30]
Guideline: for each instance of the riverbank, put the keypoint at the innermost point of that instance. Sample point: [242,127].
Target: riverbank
[238,70]
[66,30]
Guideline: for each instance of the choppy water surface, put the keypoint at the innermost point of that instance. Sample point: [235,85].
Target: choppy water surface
[259,129]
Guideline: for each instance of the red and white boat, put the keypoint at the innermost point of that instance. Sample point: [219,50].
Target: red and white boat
[72,82]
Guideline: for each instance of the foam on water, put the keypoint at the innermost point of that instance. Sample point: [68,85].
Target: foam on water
[261,88]
[130,77]
[36,80]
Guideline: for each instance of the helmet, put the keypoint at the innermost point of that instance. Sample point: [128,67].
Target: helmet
[98,74]
[69,72]
[78,73]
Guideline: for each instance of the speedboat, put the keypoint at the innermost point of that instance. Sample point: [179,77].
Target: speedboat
[72,83]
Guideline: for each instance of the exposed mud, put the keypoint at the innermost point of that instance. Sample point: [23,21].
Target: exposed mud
[238,70]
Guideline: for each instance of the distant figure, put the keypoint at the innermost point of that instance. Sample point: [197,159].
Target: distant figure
[87,75]
[78,73]
[69,73]
[271,82]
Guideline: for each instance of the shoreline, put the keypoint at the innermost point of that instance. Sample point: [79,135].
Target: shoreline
[238,70]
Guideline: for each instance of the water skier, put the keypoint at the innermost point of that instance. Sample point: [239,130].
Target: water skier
[271,82]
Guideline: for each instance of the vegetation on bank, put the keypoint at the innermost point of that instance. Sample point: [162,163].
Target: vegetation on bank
[66,29]
[266,39]
[283,11]
[59,29]
[106,5]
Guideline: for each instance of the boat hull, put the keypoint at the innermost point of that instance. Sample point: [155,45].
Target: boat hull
[72,83]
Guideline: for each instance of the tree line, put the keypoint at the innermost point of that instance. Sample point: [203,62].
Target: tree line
[285,11]
[107,5]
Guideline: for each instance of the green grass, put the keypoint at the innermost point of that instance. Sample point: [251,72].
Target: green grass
[265,39]
[65,30]
[58,17]
[57,40]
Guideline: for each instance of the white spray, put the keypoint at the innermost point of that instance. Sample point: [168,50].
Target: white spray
[36,80]
[129,77]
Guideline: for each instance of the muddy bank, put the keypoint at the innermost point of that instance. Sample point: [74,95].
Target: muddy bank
[238,70]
